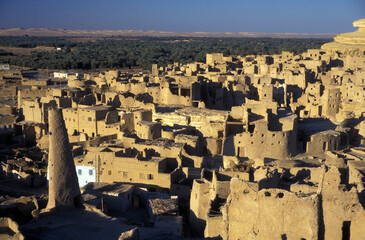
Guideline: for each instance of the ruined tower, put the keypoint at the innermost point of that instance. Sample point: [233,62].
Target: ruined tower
[64,191]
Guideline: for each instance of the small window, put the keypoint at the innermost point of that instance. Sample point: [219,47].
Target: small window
[141,176]
[91,172]
[125,174]
[150,176]
[89,119]
[109,172]
[79,172]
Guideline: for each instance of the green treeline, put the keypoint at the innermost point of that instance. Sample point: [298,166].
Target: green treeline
[143,51]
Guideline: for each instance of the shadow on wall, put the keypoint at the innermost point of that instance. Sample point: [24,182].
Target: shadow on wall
[229,147]
[197,225]
[315,125]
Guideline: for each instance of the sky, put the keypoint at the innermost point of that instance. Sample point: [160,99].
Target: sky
[270,16]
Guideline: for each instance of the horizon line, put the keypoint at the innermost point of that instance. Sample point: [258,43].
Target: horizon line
[151,33]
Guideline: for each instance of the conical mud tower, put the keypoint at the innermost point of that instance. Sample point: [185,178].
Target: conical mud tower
[64,191]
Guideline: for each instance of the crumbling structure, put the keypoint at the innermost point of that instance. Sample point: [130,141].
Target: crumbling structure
[254,147]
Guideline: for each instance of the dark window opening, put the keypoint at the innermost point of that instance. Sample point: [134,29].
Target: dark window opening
[174,90]
[185,92]
[346,226]
[251,128]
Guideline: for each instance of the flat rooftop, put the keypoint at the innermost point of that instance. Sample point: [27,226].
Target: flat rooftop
[108,188]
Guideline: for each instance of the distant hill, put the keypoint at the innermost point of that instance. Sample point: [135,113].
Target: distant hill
[140,33]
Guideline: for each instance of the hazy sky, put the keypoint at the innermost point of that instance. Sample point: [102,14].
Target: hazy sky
[300,16]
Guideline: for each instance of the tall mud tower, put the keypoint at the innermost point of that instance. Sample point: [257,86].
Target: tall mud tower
[64,191]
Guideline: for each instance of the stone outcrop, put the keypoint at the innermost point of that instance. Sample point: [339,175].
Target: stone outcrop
[349,41]
[64,191]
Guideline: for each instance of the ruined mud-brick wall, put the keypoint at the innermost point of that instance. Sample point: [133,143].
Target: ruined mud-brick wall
[353,96]
[269,214]
[33,93]
[129,169]
[269,144]
[324,141]
[199,205]
[331,211]
[352,61]
[135,88]
[84,120]
[71,118]
[342,210]
[148,130]
[332,101]
[173,95]
[34,111]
